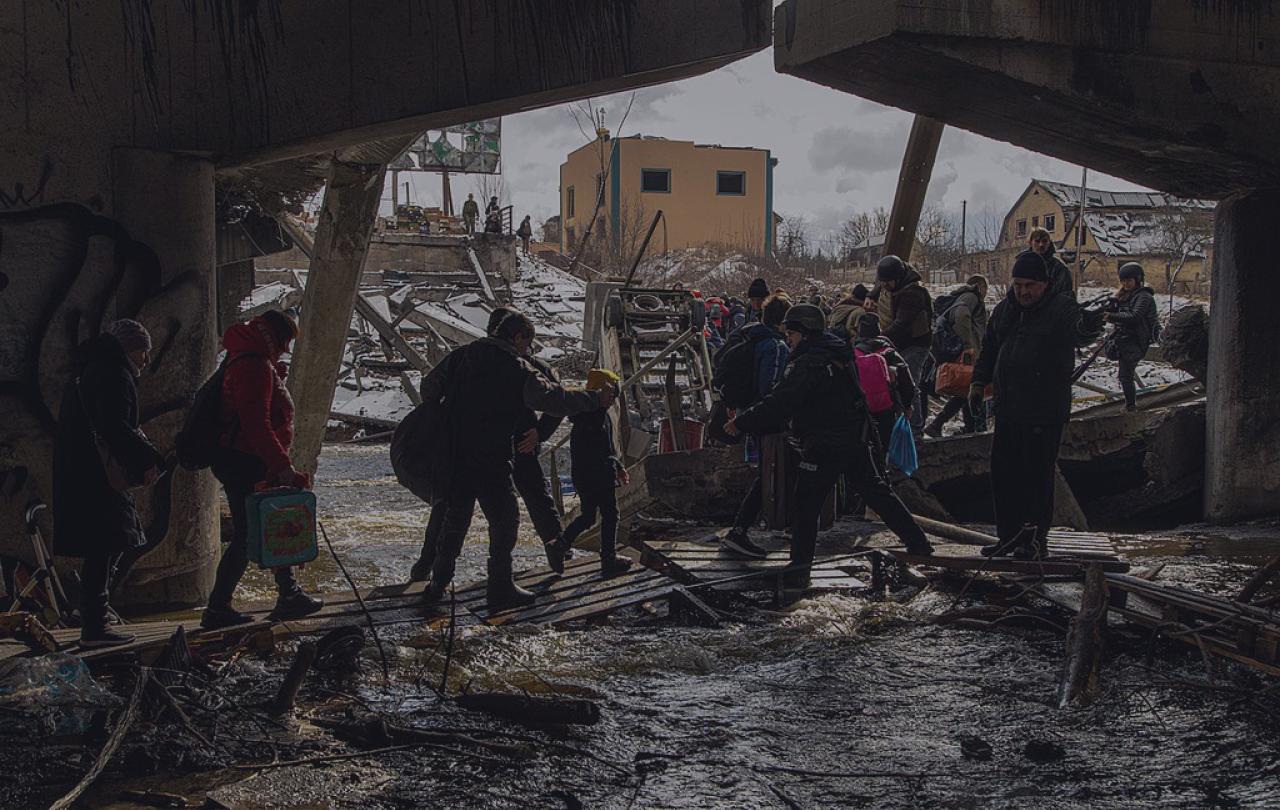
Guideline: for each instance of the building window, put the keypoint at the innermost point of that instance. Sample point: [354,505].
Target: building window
[568,203]
[1050,222]
[656,181]
[1035,222]
[1022,227]
[734,183]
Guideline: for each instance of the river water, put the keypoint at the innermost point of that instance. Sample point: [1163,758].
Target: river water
[839,702]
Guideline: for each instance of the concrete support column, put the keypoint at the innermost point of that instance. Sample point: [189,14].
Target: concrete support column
[913,184]
[165,201]
[1242,447]
[347,217]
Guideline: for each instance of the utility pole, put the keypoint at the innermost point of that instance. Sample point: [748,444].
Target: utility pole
[395,192]
[964,216]
[1084,186]
[407,199]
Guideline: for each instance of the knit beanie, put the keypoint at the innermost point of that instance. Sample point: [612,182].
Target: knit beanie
[868,326]
[131,335]
[1031,265]
[759,289]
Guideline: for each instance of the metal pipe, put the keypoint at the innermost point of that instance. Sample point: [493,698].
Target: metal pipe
[653,226]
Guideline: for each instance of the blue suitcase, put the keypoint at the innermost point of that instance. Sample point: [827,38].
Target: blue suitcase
[282,527]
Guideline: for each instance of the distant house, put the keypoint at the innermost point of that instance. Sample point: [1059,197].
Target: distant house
[709,195]
[1159,231]
[862,258]
[551,230]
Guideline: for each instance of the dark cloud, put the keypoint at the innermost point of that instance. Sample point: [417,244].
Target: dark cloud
[847,148]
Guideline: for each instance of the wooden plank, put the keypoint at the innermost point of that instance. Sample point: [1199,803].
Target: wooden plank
[1008,565]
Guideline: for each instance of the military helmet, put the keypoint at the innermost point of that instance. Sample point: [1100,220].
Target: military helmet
[1132,270]
[805,318]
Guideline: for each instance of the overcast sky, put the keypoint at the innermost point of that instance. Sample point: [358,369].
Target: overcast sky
[837,154]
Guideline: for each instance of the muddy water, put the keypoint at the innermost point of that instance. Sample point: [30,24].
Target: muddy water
[838,703]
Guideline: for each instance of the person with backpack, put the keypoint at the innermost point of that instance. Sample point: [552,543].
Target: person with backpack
[525,232]
[1137,325]
[99,455]
[884,376]
[255,432]
[597,471]
[757,292]
[527,474]
[481,391]
[910,325]
[844,316]
[821,399]
[962,318]
[747,374]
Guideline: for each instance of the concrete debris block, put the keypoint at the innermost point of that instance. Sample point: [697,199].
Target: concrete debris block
[1185,341]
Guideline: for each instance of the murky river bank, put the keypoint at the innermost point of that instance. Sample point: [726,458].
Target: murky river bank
[837,703]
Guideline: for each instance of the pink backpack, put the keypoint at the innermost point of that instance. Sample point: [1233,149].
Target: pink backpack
[873,373]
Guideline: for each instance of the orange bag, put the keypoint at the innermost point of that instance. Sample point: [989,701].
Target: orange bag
[954,379]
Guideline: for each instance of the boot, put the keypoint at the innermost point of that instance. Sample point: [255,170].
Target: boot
[421,570]
[1035,546]
[1004,548]
[434,592]
[613,566]
[556,550]
[216,618]
[502,592]
[294,604]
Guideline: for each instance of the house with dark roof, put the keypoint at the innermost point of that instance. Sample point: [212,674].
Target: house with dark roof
[1171,237]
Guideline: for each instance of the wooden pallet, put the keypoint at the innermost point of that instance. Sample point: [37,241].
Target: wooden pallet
[1069,552]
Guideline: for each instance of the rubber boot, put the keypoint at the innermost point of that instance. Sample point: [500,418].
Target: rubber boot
[502,592]
[555,549]
[421,570]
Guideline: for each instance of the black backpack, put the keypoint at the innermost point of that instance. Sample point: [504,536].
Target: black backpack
[419,442]
[734,376]
[947,344]
[198,441]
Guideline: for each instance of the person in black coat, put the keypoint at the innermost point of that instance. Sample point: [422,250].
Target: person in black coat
[827,415]
[485,389]
[530,481]
[1136,320]
[99,455]
[596,471]
[1029,355]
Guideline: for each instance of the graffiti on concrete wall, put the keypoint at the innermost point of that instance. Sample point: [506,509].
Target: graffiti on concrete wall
[69,272]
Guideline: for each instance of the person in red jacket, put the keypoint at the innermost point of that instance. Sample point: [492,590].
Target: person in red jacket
[257,418]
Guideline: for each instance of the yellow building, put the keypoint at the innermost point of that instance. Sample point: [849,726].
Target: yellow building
[1156,230]
[709,195]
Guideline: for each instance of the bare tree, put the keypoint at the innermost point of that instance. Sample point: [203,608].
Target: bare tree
[938,238]
[984,228]
[1181,233]
[490,185]
[862,226]
[793,239]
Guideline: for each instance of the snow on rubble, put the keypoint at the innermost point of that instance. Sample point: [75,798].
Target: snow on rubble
[374,386]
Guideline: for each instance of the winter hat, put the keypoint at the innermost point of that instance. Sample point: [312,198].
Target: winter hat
[598,379]
[805,318]
[282,326]
[890,268]
[1132,270]
[977,279]
[759,289]
[859,292]
[1031,265]
[868,327]
[131,335]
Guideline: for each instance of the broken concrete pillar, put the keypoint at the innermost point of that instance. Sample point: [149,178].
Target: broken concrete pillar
[1184,342]
[1242,453]
[913,185]
[347,216]
[165,201]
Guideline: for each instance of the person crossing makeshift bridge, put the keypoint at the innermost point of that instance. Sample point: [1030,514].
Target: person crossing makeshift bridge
[820,396]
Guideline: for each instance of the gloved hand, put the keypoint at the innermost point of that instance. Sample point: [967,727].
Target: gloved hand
[289,477]
[977,394]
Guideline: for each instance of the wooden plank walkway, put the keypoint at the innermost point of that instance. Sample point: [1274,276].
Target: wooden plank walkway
[1069,552]
[700,561]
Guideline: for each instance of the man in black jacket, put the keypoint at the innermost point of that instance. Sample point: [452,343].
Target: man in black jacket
[820,396]
[99,455]
[485,388]
[526,473]
[1029,354]
[1136,320]
[910,326]
[1041,242]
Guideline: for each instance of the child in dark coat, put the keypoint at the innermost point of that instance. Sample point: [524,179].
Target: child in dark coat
[596,471]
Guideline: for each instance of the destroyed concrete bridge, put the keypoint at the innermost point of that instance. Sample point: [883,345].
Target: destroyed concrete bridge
[1179,95]
[121,119]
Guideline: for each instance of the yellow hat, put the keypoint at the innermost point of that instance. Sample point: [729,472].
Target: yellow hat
[599,379]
